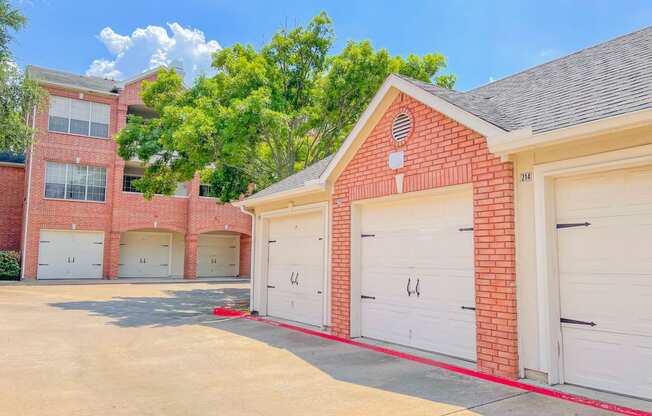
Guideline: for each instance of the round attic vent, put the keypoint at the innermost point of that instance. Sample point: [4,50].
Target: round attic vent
[401,127]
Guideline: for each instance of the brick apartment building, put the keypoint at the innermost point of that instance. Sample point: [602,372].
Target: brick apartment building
[70,208]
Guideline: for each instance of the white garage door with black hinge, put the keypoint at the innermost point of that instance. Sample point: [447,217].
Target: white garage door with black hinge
[70,255]
[217,255]
[604,239]
[417,273]
[144,254]
[295,277]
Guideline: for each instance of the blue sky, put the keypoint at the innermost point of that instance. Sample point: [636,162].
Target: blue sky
[483,40]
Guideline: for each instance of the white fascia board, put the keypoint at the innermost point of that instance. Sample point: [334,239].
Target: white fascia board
[309,187]
[524,139]
[438,104]
[13,164]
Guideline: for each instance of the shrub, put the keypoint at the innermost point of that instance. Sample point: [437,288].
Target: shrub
[9,264]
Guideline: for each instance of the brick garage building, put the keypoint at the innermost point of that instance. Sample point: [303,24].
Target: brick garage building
[412,155]
[73,212]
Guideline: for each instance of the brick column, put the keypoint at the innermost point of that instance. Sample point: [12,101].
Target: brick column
[190,260]
[112,255]
[495,268]
[341,265]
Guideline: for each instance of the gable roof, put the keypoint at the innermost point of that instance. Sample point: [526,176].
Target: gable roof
[311,173]
[67,79]
[610,79]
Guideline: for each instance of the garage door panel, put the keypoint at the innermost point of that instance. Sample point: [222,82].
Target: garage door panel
[144,254]
[605,273]
[296,268]
[419,239]
[70,255]
[217,255]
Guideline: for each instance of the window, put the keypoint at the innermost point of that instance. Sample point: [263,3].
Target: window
[76,182]
[68,115]
[206,190]
[128,183]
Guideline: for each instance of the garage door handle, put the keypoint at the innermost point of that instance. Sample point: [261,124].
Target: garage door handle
[574,321]
[292,279]
[296,279]
[409,292]
[416,288]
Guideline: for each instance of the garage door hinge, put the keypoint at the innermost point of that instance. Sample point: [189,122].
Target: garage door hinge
[43,264]
[165,245]
[367,297]
[43,241]
[468,308]
[573,224]
[98,242]
[574,321]
[271,287]
[97,264]
[367,235]
[465,229]
[271,241]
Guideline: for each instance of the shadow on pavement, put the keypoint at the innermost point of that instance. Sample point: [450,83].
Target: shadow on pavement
[342,362]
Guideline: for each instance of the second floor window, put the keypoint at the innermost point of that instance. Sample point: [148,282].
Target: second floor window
[76,182]
[206,190]
[87,118]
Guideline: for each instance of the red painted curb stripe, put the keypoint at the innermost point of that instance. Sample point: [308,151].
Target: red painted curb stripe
[461,370]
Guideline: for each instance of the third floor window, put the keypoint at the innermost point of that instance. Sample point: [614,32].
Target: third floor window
[86,118]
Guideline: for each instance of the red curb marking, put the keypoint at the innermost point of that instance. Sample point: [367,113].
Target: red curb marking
[461,370]
[227,312]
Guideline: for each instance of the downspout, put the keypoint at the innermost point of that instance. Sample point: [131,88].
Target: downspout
[252,256]
[29,188]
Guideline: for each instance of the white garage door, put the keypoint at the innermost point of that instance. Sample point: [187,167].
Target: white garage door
[70,255]
[217,255]
[296,268]
[144,254]
[417,273]
[604,235]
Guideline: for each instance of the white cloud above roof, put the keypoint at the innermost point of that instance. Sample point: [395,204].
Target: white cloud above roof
[153,46]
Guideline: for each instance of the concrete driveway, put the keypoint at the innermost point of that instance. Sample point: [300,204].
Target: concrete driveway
[155,349]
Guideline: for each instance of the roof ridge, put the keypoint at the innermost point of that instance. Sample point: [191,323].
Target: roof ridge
[597,45]
[70,73]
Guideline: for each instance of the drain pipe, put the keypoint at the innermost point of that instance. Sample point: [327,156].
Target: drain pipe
[252,256]
[23,253]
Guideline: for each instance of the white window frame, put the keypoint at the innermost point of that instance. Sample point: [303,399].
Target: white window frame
[65,187]
[90,118]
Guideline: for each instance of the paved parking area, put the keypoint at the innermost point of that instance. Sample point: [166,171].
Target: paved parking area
[156,349]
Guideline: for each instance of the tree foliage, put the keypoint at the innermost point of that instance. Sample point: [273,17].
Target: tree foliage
[267,113]
[18,95]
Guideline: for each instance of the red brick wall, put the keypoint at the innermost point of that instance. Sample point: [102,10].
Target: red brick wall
[439,152]
[12,186]
[245,256]
[121,211]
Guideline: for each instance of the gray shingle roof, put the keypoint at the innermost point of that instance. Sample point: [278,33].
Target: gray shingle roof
[297,180]
[9,157]
[72,80]
[605,80]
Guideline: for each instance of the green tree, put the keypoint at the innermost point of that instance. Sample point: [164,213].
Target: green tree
[266,113]
[18,95]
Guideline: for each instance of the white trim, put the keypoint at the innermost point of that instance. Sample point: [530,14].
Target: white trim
[356,220]
[550,343]
[13,164]
[23,253]
[393,81]
[259,276]
[524,139]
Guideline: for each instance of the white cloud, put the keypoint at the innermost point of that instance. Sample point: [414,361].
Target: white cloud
[153,46]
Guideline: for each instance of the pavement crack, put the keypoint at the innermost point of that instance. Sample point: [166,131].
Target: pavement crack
[487,403]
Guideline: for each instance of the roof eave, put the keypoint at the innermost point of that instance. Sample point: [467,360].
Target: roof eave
[525,139]
[77,88]
[308,188]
